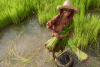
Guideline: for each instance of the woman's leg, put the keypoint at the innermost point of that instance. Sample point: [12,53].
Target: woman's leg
[53,55]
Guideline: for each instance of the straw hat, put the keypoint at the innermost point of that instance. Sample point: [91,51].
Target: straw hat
[67,4]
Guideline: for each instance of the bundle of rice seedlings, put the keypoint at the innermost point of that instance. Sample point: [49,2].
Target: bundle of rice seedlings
[50,45]
[81,55]
[66,30]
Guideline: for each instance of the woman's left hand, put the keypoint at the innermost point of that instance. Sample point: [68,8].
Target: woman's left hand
[70,33]
[60,37]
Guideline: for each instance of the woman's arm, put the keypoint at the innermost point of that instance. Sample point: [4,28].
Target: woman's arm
[70,33]
[62,36]
[51,22]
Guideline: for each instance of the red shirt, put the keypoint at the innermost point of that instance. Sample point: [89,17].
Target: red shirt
[57,26]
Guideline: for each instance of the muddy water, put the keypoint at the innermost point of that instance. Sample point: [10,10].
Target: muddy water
[30,35]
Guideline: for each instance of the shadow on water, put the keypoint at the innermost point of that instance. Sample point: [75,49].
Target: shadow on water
[30,35]
[93,12]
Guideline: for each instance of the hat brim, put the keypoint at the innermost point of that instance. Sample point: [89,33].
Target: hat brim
[69,7]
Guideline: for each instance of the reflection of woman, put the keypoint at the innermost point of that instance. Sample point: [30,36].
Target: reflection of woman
[62,20]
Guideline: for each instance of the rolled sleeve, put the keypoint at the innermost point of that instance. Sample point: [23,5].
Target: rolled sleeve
[50,23]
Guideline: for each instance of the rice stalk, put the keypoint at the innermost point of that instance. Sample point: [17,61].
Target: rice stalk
[20,34]
[27,7]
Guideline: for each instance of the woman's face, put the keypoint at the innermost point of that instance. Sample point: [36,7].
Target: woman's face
[66,12]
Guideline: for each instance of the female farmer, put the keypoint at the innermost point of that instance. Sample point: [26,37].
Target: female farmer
[60,21]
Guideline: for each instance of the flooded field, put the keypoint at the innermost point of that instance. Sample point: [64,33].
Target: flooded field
[23,46]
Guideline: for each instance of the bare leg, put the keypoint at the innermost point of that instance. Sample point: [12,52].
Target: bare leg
[53,55]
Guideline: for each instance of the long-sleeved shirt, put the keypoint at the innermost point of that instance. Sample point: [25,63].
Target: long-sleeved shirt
[56,24]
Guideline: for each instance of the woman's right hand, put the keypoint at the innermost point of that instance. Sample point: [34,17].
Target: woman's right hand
[62,36]
[57,35]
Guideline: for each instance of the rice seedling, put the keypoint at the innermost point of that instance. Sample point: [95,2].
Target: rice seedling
[29,53]
[20,34]
[21,8]
[32,65]
[15,28]
[14,55]
[22,60]
[90,33]
[15,9]
[9,53]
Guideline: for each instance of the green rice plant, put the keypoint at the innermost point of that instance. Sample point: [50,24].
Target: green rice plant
[23,8]
[20,12]
[14,15]
[95,3]
[98,4]
[12,10]
[4,19]
[86,31]
[49,9]
[87,5]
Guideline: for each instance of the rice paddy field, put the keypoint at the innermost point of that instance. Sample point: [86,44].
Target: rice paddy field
[22,44]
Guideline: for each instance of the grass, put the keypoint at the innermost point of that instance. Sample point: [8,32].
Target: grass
[86,31]
[14,11]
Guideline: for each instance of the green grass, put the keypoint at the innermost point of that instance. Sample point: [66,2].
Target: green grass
[14,11]
[86,31]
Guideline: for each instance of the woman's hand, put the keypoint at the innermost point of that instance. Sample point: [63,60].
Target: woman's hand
[51,28]
[70,33]
[60,37]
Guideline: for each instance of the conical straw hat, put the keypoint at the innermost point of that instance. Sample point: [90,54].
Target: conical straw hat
[67,4]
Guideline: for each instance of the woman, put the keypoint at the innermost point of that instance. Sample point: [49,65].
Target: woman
[60,21]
